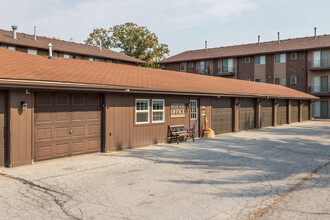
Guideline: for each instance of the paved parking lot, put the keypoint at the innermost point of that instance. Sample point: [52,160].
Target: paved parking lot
[272,173]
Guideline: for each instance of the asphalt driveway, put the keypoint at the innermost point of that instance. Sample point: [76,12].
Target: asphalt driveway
[271,173]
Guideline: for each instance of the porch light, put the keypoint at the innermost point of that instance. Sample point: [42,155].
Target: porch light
[24,105]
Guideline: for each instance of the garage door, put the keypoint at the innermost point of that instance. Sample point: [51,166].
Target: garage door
[266,117]
[282,112]
[294,111]
[2,128]
[222,115]
[305,110]
[247,113]
[66,124]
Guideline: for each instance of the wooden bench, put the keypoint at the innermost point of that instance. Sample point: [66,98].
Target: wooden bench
[177,131]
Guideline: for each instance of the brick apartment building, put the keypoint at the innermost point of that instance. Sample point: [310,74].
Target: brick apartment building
[301,63]
[37,45]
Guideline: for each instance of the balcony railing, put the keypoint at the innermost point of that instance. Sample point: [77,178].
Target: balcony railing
[319,64]
[226,71]
[319,89]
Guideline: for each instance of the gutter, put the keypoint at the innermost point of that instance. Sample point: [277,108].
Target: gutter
[28,84]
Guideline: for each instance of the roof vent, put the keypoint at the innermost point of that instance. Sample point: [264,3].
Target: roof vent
[206,45]
[14,27]
[50,46]
[278,37]
[259,39]
[315,28]
[35,33]
[100,46]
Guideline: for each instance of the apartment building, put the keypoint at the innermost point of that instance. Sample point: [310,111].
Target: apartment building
[37,45]
[300,63]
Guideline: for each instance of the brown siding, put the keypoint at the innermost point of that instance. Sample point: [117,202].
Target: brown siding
[122,132]
[269,68]
[245,70]
[2,127]
[297,68]
[173,66]
[20,128]
[266,118]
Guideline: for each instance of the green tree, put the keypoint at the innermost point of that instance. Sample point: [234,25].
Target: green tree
[132,40]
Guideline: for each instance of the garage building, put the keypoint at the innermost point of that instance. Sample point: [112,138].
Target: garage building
[52,108]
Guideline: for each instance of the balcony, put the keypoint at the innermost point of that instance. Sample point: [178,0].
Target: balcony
[319,65]
[226,71]
[319,90]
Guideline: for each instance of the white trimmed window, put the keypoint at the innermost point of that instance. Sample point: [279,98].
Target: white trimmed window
[183,66]
[32,51]
[247,59]
[294,55]
[191,65]
[293,80]
[142,111]
[158,113]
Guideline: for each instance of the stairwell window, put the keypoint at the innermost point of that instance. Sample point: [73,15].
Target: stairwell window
[294,55]
[158,113]
[142,111]
[260,60]
[293,80]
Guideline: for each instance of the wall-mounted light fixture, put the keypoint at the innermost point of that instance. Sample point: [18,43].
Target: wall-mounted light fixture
[126,90]
[24,105]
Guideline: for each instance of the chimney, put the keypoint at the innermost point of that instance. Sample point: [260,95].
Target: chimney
[50,46]
[278,37]
[14,27]
[35,33]
[206,45]
[100,46]
[315,32]
[259,39]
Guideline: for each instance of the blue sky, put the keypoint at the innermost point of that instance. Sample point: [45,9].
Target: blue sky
[182,24]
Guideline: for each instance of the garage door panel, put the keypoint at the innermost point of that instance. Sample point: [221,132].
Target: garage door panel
[305,111]
[294,111]
[222,115]
[282,112]
[2,128]
[54,123]
[247,113]
[266,116]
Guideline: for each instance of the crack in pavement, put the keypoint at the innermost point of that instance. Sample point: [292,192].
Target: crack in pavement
[259,213]
[60,203]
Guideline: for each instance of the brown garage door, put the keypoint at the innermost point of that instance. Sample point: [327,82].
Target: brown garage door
[282,112]
[66,124]
[266,117]
[2,128]
[305,111]
[247,113]
[294,111]
[222,115]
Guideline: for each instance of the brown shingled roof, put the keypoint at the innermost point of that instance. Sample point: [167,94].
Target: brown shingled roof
[18,67]
[63,46]
[296,44]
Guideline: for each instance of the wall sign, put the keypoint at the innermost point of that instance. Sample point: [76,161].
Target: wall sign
[203,110]
[178,110]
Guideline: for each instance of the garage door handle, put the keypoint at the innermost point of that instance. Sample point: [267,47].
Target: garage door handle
[70,132]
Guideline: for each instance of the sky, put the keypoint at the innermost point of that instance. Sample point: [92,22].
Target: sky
[182,24]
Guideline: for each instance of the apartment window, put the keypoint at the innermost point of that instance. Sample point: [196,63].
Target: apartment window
[260,80]
[247,79]
[9,47]
[204,67]
[227,66]
[109,61]
[293,80]
[247,59]
[280,81]
[260,60]
[68,56]
[280,58]
[294,55]
[158,113]
[191,64]
[320,109]
[32,51]
[320,59]
[142,111]
[91,59]
[183,66]
[320,84]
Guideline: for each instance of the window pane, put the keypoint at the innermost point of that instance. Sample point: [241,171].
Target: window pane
[283,58]
[277,58]
[141,117]
[142,104]
[157,104]
[30,51]
[157,116]
[316,109]
[257,60]
[262,60]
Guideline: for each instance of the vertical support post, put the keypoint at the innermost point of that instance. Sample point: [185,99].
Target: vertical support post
[289,111]
[236,114]
[310,112]
[258,113]
[275,112]
[300,110]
